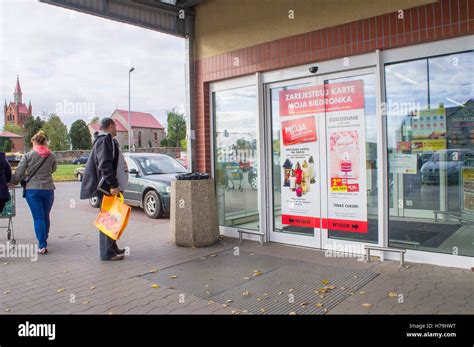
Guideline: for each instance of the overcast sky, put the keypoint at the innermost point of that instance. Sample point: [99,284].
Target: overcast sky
[76,65]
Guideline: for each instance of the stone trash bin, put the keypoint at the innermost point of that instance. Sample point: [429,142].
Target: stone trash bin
[193,213]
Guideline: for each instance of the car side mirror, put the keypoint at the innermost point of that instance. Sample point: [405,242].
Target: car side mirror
[134,172]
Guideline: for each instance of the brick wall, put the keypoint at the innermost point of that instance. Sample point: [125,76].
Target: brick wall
[442,20]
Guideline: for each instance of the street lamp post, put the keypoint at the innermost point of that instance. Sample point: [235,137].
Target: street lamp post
[129,124]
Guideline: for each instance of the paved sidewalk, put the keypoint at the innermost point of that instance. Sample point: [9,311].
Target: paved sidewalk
[71,279]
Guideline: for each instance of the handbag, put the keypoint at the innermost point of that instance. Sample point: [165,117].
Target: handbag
[24,182]
[113,216]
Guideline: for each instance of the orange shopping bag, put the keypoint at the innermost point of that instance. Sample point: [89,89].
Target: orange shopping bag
[113,216]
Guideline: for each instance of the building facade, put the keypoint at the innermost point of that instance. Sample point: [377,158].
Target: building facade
[18,144]
[16,112]
[361,115]
[147,131]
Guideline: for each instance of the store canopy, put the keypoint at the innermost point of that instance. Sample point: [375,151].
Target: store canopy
[165,16]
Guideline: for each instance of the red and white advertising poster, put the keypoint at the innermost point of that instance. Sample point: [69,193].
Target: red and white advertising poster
[301,111]
[347,192]
[300,192]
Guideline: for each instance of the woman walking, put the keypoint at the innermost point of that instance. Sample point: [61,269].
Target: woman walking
[35,172]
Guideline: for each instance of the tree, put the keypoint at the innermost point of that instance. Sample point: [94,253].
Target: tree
[80,135]
[56,132]
[95,120]
[32,126]
[184,144]
[164,142]
[13,128]
[7,145]
[176,128]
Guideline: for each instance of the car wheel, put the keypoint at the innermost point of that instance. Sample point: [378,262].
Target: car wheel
[152,205]
[254,183]
[79,177]
[94,201]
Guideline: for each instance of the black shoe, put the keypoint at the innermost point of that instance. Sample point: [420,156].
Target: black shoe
[120,251]
[117,257]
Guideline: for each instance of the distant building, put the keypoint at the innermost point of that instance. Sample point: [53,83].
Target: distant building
[18,144]
[16,112]
[147,130]
[121,131]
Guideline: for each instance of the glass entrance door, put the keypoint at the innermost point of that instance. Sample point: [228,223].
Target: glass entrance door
[293,163]
[321,149]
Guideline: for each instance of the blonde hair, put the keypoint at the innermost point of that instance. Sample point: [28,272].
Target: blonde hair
[39,138]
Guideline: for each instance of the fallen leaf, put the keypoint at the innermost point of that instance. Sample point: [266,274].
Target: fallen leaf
[6,292]
[92,287]
[225,305]
[392,294]
[263,310]
[155,285]
[174,277]
[7,310]
[290,290]
[153,271]
[259,299]
[246,293]
[246,278]
[361,292]
[280,293]
[325,281]
[213,255]
[229,301]
[325,310]
[61,290]
[6,263]
[245,311]
[331,287]
[235,312]
[367,305]
[304,304]
[85,302]
[257,273]
[293,313]
[210,302]
[318,305]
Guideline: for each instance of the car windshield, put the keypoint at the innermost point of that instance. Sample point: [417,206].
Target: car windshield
[160,165]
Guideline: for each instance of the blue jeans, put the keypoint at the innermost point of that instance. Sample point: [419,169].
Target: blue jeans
[40,202]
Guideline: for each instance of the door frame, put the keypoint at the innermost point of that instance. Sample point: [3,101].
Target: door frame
[320,239]
[274,236]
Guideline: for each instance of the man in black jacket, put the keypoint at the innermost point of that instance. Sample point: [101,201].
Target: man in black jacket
[101,169]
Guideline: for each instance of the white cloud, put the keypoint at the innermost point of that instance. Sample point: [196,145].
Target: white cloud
[63,56]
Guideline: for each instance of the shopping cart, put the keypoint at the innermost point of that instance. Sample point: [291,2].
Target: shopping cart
[9,211]
[233,174]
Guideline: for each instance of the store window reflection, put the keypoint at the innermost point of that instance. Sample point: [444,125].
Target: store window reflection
[430,108]
[236,172]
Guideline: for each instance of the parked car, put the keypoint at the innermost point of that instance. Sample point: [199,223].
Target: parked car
[253,177]
[80,160]
[150,177]
[450,160]
[79,173]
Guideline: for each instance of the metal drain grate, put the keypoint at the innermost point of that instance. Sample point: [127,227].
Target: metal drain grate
[284,286]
